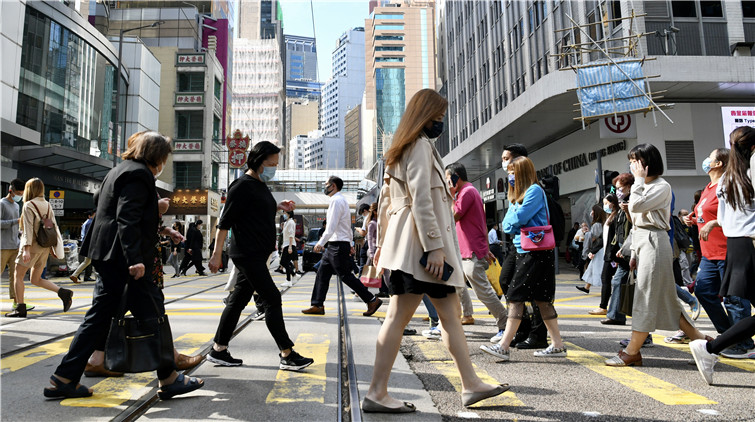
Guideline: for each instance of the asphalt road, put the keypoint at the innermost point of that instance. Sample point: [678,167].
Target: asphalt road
[578,387]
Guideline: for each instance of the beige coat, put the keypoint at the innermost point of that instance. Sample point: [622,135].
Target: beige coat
[415,215]
[30,224]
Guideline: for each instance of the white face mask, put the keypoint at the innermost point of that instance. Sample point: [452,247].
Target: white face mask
[505,165]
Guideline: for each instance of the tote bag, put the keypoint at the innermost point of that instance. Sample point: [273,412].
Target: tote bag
[371,276]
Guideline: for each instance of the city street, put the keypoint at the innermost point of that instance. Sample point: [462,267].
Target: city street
[577,387]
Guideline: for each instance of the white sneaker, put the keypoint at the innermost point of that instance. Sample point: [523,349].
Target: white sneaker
[432,334]
[705,361]
[497,351]
[497,338]
[551,352]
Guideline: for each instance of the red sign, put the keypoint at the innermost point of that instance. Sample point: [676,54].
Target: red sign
[237,146]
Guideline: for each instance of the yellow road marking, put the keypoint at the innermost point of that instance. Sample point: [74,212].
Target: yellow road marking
[639,381]
[37,354]
[309,385]
[438,355]
[745,364]
[112,392]
[569,299]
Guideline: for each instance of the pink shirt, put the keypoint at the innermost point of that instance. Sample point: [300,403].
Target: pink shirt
[471,227]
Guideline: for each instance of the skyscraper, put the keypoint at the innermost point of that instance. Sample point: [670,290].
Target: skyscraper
[399,60]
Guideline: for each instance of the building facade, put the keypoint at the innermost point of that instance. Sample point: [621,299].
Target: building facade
[302,116]
[503,85]
[343,91]
[352,144]
[399,61]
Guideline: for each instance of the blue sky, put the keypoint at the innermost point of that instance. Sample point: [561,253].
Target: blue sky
[332,19]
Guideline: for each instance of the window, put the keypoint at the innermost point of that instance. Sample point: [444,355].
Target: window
[187,175]
[711,9]
[389,38]
[381,48]
[683,9]
[189,124]
[389,27]
[215,129]
[389,16]
[190,82]
[748,9]
[218,90]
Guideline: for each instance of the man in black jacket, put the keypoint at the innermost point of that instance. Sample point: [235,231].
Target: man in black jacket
[194,243]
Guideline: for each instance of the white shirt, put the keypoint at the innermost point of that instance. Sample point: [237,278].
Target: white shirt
[338,228]
[289,231]
[493,237]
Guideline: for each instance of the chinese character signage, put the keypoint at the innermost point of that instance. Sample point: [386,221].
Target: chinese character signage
[734,117]
[237,146]
[193,59]
[187,146]
[190,99]
[188,202]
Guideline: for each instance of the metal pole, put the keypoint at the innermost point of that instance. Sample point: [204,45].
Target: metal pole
[117,99]
[600,176]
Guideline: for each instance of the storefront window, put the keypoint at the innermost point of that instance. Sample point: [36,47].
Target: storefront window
[66,88]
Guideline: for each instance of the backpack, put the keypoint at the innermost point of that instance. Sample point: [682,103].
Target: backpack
[47,236]
[680,234]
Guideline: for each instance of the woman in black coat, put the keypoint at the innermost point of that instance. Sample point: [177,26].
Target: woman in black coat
[122,245]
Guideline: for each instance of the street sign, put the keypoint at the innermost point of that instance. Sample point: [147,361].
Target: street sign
[57,194]
[56,204]
[58,212]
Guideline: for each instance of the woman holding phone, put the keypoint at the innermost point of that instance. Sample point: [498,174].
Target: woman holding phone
[415,221]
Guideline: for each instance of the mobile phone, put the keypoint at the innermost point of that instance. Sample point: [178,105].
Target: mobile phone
[447,269]
[454,179]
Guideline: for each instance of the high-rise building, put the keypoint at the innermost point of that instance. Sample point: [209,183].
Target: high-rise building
[353,138]
[259,56]
[301,59]
[301,116]
[345,88]
[315,151]
[399,61]
[503,85]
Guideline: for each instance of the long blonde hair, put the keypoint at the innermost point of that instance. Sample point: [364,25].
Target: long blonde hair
[33,189]
[524,177]
[425,105]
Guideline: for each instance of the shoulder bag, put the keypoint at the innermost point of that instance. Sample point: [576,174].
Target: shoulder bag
[627,295]
[371,276]
[46,235]
[138,345]
[538,238]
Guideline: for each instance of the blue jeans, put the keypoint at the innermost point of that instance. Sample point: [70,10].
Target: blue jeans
[739,308]
[707,286]
[615,302]
[684,295]
[431,311]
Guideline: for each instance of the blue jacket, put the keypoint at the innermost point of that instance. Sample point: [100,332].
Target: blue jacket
[531,212]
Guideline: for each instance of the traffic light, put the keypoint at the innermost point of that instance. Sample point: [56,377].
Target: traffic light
[608,176]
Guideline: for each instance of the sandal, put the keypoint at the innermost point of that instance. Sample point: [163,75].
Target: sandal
[67,391]
[67,297]
[179,387]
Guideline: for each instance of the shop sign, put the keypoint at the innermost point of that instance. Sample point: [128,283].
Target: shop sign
[190,59]
[488,195]
[620,126]
[581,160]
[187,146]
[734,117]
[190,99]
[237,146]
[188,201]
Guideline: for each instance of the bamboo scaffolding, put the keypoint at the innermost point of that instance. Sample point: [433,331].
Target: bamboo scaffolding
[601,22]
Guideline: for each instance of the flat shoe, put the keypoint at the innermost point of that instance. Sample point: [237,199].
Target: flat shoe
[179,387]
[598,311]
[184,362]
[99,371]
[369,406]
[468,399]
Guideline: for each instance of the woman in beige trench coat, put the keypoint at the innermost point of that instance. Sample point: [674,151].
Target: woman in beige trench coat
[415,218]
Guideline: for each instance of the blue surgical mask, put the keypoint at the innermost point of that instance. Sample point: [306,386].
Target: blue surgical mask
[285,217]
[706,165]
[607,209]
[17,198]
[267,174]
[512,179]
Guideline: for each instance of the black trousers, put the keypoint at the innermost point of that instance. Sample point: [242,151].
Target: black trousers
[605,278]
[108,291]
[287,261]
[253,276]
[194,258]
[337,260]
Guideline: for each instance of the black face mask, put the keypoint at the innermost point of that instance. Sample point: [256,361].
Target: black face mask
[328,191]
[435,130]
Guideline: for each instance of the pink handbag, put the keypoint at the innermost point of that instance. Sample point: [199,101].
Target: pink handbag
[538,238]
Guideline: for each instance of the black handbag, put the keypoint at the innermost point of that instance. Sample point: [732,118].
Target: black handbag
[627,295]
[138,345]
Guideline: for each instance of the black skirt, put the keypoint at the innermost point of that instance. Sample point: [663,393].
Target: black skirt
[401,282]
[534,278]
[739,276]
